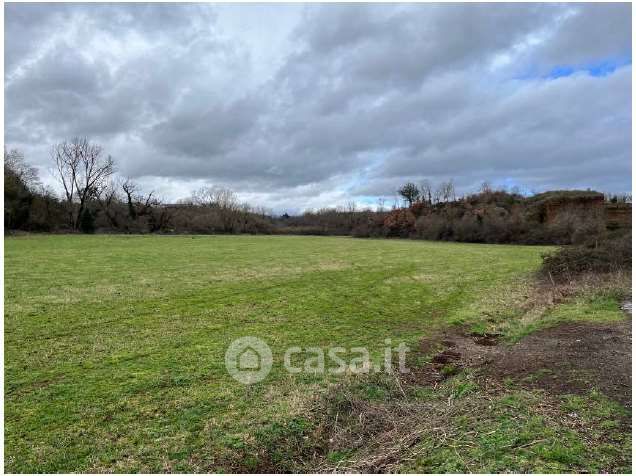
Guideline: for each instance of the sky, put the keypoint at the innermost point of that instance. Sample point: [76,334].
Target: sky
[299,107]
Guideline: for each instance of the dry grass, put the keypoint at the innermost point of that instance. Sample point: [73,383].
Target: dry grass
[470,420]
[531,303]
[535,307]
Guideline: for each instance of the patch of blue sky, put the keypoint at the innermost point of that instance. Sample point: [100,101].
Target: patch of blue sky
[597,68]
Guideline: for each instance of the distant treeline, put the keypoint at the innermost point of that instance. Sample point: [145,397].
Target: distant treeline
[94,200]
[488,216]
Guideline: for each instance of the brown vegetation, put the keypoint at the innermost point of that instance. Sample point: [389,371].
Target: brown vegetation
[605,256]
[94,201]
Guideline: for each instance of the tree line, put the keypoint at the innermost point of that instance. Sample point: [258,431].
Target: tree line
[94,198]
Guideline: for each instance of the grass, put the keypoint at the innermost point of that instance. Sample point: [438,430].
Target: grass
[525,431]
[471,425]
[467,424]
[522,306]
[114,345]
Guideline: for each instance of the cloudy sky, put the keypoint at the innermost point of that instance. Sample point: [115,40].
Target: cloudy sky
[298,106]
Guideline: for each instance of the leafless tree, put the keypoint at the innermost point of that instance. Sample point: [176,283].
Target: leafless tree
[140,205]
[108,199]
[215,197]
[130,190]
[224,203]
[437,194]
[426,190]
[262,211]
[485,187]
[351,208]
[446,191]
[82,170]
[381,204]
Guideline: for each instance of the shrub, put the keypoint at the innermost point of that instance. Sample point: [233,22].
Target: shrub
[433,227]
[598,257]
[363,230]
[400,223]
[468,228]
[591,229]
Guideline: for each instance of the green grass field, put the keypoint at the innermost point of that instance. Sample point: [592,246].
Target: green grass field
[114,345]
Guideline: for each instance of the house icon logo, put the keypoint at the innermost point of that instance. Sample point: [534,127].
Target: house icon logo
[248,360]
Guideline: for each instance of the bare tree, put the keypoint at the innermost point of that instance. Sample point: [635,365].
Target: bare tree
[427,192]
[350,209]
[82,170]
[263,212]
[223,201]
[215,197]
[108,200]
[485,187]
[446,191]
[130,190]
[145,205]
[381,204]
[438,194]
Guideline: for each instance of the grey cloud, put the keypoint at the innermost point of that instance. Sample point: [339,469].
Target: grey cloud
[72,90]
[589,33]
[359,98]
[539,127]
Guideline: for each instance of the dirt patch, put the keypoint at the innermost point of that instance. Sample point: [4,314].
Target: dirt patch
[446,357]
[569,358]
[573,358]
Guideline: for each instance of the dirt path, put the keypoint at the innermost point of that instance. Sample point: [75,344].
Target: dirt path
[569,358]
